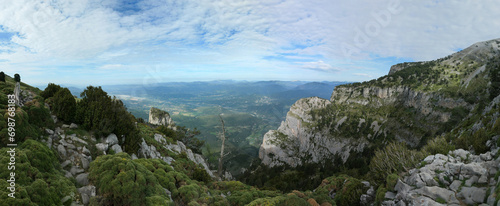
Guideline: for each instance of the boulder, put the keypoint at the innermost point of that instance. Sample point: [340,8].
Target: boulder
[103,147]
[116,148]
[49,131]
[65,163]
[85,151]
[133,157]
[472,195]
[75,170]
[65,126]
[159,138]
[62,151]
[85,162]
[435,193]
[82,179]
[73,126]
[112,139]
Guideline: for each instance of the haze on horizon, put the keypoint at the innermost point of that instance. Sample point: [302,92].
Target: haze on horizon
[137,41]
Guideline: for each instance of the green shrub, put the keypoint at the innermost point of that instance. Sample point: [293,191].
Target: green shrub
[122,181]
[391,181]
[50,90]
[348,190]
[394,158]
[438,145]
[64,105]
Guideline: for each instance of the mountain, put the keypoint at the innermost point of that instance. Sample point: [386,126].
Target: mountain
[453,100]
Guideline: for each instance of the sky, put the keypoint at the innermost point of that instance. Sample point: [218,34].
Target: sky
[103,42]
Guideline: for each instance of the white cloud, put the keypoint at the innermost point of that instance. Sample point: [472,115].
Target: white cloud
[238,34]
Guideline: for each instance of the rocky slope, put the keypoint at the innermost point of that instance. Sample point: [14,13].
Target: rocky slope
[415,102]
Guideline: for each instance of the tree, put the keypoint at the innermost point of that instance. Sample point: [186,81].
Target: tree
[64,105]
[2,76]
[17,77]
[50,90]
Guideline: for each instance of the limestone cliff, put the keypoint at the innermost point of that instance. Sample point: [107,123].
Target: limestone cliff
[160,117]
[414,102]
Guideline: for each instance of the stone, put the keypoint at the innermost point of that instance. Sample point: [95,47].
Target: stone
[461,153]
[483,179]
[183,147]
[471,181]
[428,179]
[85,151]
[54,118]
[59,131]
[49,131]
[160,117]
[68,175]
[85,199]
[82,179]
[422,200]
[62,151]
[454,168]
[486,156]
[75,170]
[435,192]
[472,195]
[89,190]
[112,139]
[133,157]
[73,126]
[159,138]
[65,126]
[429,159]
[116,148]
[85,162]
[103,147]
[455,185]
[473,168]
[65,163]
[390,195]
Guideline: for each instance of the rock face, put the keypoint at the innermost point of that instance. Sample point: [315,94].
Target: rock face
[294,140]
[160,117]
[150,151]
[454,179]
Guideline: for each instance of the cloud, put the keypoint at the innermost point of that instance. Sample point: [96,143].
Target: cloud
[362,75]
[226,35]
[319,66]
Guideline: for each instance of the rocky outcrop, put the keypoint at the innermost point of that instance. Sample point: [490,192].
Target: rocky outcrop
[150,151]
[160,117]
[294,140]
[75,159]
[457,178]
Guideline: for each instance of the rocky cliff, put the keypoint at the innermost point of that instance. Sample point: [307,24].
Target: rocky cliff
[414,102]
[160,117]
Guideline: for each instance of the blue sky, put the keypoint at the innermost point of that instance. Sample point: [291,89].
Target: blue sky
[103,42]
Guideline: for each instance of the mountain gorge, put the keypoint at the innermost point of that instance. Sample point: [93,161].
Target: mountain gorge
[428,133]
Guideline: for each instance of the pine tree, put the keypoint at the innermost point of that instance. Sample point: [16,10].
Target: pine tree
[2,76]
[17,77]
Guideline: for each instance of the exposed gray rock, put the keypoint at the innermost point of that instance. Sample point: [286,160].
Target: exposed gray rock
[75,170]
[62,151]
[65,126]
[85,151]
[73,126]
[471,181]
[85,162]
[455,185]
[89,190]
[103,147]
[160,117]
[133,157]
[112,139]
[472,195]
[390,195]
[65,163]
[439,193]
[117,148]
[49,131]
[82,179]
[160,139]
[65,199]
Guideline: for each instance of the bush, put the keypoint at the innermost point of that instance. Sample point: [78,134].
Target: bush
[391,181]
[394,158]
[348,190]
[122,181]
[50,90]
[438,145]
[64,105]
[39,180]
